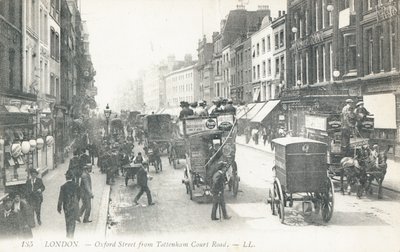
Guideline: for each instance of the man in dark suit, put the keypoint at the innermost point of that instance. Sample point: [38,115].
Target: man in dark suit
[217,191]
[74,164]
[86,193]
[8,220]
[142,182]
[68,201]
[34,193]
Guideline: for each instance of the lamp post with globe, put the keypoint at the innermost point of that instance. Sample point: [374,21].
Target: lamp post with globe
[107,114]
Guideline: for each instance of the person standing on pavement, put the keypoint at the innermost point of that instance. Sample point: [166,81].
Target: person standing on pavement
[34,193]
[67,201]
[8,220]
[217,191]
[25,219]
[86,194]
[74,166]
[142,182]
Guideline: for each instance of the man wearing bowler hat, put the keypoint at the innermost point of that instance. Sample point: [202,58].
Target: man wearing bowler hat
[68,201]
[186,111]
[34,193]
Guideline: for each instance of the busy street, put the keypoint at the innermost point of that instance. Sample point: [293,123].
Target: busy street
[200,125]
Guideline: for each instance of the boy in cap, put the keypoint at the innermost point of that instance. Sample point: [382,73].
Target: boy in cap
[217,191]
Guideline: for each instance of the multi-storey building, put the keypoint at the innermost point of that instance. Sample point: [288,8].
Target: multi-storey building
[205,69]
[17,120]
[239,23]
[342,49]
[182,85]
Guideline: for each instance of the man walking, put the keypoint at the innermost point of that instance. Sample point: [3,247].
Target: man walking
[142,182]
[74,166]
[86,194]
[8,220]
[217,191]
[34,193]
[68,201]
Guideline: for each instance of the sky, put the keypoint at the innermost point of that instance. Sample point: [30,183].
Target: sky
[127,36]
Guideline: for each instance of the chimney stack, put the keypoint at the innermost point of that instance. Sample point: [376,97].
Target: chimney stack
[283,13]
[279,13]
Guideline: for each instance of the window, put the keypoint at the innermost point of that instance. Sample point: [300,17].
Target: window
[258,72]
[306,77]
[11,60]
[370,46]
[58,89]
[380,48]
[282,68]
[258,49]
[264,69]
[52,42]
[323,63]
[392,43]
[11,12]
[306,22]
[350,52]
[316,15]
[2,7]
[323,9]
[301,27]
[276,41]
[330,60]
[263,45]
[276,67]
[269,67]
[269,43]
[317,63]
[254,72]
[2,65]
[281,38]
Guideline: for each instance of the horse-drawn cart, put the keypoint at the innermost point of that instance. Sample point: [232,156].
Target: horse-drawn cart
[208,140]
[301,175]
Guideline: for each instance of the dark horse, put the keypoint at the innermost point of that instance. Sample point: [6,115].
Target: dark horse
[361,170]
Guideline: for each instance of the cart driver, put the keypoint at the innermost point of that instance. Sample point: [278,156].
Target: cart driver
[347,117]
[360,113]
[138,159]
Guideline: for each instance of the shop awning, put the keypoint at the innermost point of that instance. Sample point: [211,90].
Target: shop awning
[383,107]
[256,94]
[244,110]
[254,111]
[265,111]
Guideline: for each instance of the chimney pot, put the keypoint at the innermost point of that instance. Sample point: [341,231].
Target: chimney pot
[279,13]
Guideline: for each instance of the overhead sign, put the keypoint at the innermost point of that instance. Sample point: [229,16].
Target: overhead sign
[200,124]
[315,122]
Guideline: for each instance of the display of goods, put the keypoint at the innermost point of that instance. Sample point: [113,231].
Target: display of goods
[16,150]
[26,147]
[39,143]
[32,143]
[49,140]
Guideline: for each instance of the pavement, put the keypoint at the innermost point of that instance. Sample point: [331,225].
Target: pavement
[53,223]
[392,177]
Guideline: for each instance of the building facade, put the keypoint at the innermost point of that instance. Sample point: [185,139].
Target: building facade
[182,85]
[205,69]
[344,49]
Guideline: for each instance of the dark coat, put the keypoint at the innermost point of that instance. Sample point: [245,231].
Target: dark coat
[185,112]
[218,182]
[68,198]
[8,225]
[229,108]
[86,185]
[32,193]
[141,177]
[74,166]
[25,219]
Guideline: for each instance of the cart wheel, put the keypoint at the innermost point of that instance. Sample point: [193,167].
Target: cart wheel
[272,201]
[328,201]
[280,203]
[235,184]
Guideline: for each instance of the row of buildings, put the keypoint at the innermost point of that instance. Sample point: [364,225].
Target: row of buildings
[46,81]
[310,57]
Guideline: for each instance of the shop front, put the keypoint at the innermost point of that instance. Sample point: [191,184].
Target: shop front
[17,146]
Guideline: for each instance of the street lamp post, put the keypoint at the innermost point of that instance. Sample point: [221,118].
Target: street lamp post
[107,113]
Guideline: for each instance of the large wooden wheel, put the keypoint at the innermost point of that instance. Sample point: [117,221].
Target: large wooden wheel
[279,200]
[271,201]
[328,201]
